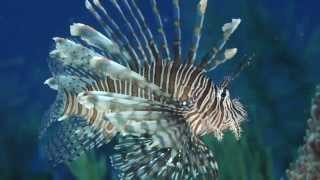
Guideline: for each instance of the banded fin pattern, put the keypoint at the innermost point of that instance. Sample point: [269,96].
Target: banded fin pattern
[115,32]
[124,84]
[101,100]
[66,140]
[163,39]
[94,38]
[177,31]
[68,129]
[201,10]
[209,61]
[76,55]
[140,157]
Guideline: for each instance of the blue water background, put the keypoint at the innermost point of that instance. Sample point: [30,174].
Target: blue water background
[284,36]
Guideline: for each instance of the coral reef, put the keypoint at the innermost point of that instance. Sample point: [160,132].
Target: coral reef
[307,165]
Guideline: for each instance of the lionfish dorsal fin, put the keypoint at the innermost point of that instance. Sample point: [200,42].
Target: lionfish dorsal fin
[151,41]
[214,56]
[177,31]
[113,30]
[132,32]
[141,32]
[222,58]
[163,39]
[201,10]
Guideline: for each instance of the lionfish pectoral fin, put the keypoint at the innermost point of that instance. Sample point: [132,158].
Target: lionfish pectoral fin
[64,136]
[116,71]
[117,102]
[51,82]
[98,40]
[94,38]
[64,141]
[140,122]
[75,55]
[160,146]
[134,159]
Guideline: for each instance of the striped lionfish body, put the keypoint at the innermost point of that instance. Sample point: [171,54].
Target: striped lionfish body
[128,86]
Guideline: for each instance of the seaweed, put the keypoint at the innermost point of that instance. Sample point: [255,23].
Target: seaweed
[245,159]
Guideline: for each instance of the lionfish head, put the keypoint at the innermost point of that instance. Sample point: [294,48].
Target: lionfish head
[228,112]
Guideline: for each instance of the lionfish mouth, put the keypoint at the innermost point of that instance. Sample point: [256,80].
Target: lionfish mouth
[127,85]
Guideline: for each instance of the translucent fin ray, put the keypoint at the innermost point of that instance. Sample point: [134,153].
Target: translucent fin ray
[222,58]
[164,44]
[151,41]
[64,141]
[201,10]
[150,57]
[140,157]
[177,31]
[227,30]
[117,33]
[131,30]
[124,56]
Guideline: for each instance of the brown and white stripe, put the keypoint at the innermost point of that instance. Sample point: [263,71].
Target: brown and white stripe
[138,87]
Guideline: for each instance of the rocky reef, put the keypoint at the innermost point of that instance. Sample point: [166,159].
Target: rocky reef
[307,165]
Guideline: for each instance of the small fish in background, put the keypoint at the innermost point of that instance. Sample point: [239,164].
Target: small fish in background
[154,102]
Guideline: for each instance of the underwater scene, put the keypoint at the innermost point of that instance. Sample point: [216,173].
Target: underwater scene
[160,89]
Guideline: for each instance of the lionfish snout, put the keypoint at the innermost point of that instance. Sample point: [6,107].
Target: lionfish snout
[224,113]
[125,84]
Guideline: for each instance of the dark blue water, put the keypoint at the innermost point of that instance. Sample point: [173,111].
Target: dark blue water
[284,37]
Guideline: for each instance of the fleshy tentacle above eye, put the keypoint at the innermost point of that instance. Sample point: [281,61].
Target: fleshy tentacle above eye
[116,82]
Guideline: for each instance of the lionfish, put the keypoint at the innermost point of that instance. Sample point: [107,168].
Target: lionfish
[123,84]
